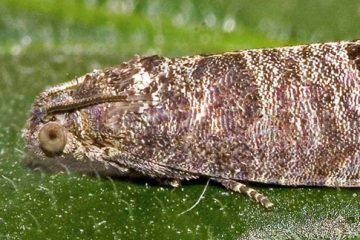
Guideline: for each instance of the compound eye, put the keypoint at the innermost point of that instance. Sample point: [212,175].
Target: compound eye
[52,138]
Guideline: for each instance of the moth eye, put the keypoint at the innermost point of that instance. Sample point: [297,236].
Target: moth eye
[52,138]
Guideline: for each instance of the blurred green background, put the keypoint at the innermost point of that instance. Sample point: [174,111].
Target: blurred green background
[43,43]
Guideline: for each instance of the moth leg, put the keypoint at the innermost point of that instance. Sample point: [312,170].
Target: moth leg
[242,188]
[169,182]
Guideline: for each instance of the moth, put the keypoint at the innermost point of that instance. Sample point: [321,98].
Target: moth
[285,116]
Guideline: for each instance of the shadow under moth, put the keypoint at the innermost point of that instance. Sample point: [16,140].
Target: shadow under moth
[285,116]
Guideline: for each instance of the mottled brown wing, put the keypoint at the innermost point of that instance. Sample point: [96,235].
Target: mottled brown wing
[287,116]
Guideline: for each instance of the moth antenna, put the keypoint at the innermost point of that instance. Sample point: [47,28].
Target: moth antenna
[67,85]
[85,102]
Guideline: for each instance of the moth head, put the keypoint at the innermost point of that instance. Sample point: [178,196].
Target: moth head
[64,130]
[48,142]
[54,145]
